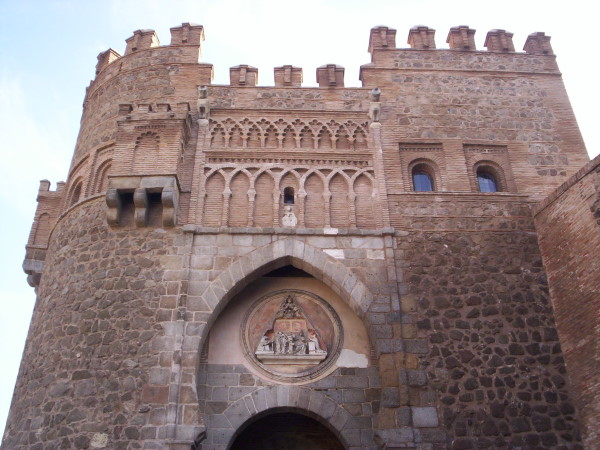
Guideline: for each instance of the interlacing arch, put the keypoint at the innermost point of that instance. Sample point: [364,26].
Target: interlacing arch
[325,197]
[266,133]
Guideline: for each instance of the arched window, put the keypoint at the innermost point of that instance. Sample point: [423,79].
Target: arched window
[76,193]
[288,196]
[422,178]
[486,180]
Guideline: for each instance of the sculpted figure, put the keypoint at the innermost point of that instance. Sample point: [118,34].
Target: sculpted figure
[280,343]
[264,345]
[299,342]
[313,343]
[375,94]
[289,218]
[375,108]
[289,309]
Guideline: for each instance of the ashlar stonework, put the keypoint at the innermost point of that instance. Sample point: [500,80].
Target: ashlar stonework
[335,267]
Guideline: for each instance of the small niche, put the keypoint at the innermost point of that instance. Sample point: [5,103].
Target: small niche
[127,209]
[155,209]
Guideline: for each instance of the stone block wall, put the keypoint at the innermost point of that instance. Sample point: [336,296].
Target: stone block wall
[568,228]
[494,361]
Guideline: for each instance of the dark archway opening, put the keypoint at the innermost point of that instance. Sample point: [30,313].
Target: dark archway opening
[286,431]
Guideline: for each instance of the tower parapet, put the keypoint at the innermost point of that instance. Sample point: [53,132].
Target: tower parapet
[330,75]
[46,214]
[538,44]
[499,41]
[243,75]
[382,38]
[187,34]
[461,38]
[288,76]
[421,37]
[105,58]
[141,40]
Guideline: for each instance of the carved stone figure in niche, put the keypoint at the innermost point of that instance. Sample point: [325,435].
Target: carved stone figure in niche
[265,345]
[290,340]
[289,218]
[375,107]
[289,309]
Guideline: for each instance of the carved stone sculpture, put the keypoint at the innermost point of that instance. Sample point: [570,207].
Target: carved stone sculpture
[289,218]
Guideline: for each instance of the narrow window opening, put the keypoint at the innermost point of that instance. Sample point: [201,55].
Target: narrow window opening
[487,182]
[288,196]
[76,194]
[422,179]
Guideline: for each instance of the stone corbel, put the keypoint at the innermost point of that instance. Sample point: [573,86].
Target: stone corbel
[114,207]
[170,204]
[140,201]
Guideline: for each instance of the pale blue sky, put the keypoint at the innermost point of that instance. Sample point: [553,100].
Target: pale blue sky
[48,52]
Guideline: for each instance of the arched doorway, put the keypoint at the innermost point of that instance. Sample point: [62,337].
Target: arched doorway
[285,431]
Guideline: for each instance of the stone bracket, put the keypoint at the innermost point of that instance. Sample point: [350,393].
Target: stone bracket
[117,196]
[33,268]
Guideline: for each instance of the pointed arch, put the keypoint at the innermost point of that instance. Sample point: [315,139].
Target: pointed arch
[365,212]
[238,205]
[101,181]
[236,139]
[289,137]
[306,138]
[213,205]
[76,191]
[263,203]
[289,251]
[254,135]
[340,204]
[324,139]
[314,203]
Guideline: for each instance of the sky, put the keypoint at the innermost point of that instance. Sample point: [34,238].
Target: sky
[48,52]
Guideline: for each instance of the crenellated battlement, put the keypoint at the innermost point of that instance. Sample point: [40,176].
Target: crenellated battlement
[382,38]
[460,38]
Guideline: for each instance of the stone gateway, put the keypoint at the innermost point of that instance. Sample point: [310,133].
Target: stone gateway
[242,266]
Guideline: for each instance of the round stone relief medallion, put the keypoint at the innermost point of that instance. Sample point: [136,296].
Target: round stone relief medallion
[291,335]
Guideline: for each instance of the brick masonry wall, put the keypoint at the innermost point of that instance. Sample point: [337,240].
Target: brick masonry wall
[569,237]
[477,97]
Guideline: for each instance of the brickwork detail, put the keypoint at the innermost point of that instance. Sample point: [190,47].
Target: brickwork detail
[568,223]
[286,134]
